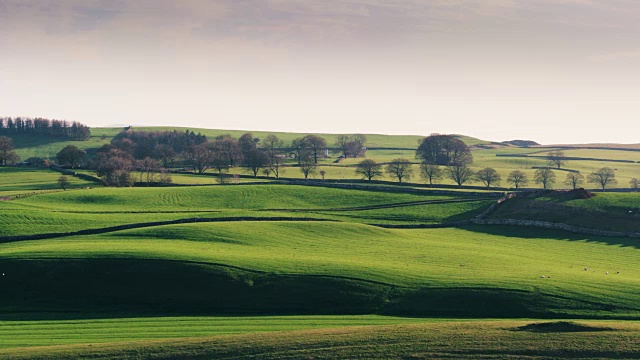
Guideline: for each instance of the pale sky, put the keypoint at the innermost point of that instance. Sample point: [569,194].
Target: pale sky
[553,71]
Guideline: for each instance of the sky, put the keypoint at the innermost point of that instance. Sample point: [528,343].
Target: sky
[552,71]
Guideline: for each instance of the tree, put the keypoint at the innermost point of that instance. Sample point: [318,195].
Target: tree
[546,177]
[634,183]
[460,173]
[272,145]
[300,149]
[113,166]
[369,169]
[603,177]
[556,158]
[444,150]
[63,181]
[517,178]
[203,156]
[248,143]
[255,160]
[400,169]
[164,153]
[322,173]
[489,176]
[574,179]
[316,145]
[70,155]
[7,152]
[430,172]
[148,168]
[275,167]
[231,151]
[342,143]
[308,167]
[351,146]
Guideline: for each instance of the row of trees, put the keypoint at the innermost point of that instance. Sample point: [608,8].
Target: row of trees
[40,126]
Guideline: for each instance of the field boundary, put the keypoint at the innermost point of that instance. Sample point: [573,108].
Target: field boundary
[13,238]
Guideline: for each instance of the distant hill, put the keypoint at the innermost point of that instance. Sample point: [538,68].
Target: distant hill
[521,143]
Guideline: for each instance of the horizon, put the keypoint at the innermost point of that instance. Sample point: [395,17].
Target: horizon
[551,71]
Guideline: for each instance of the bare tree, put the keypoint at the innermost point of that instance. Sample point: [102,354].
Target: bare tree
[603,177]
[230,149]
[400,169]
[255,160]
[556,158]
[275,167]
[430,172]
[546,177]
[369,169]
[300,149]
[63,181]
[574,179]
[460,173]
[164,153]
[517,178]
[203,155]
[322,173]
[489,176]
[272,145]
[148,168]
[342,143]
[308,167]
[7,152]
[634,183]
[316,145]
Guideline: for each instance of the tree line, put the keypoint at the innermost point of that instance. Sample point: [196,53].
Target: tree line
[150,151]
[40,126]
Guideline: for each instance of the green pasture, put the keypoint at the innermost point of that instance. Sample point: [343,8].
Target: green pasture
[503,339]
[80,209]
[489,271]
[21,333]
[20,180]
[600,154]
[604,211]
[47,147]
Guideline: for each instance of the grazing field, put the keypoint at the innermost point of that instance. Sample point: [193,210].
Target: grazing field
[472,272]
[604,211]
[21,180]
[97,208]
[288,271]
[460,340]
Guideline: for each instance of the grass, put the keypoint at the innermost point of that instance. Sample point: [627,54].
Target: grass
[605,211]
[20,180]
[321,289]
[461,340]
[81,331]
[103,207]
[489,272]
[254,197]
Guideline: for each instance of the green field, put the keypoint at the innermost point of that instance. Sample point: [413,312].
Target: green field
[15,181]
[450,339]
[276,270]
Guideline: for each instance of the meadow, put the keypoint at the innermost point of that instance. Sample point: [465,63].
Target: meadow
[276,270]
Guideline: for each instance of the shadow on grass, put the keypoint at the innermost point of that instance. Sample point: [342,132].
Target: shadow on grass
[550,234]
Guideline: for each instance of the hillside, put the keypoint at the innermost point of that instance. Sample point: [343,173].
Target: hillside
[200,269]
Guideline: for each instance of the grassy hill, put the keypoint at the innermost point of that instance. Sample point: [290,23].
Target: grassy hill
[277,270]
